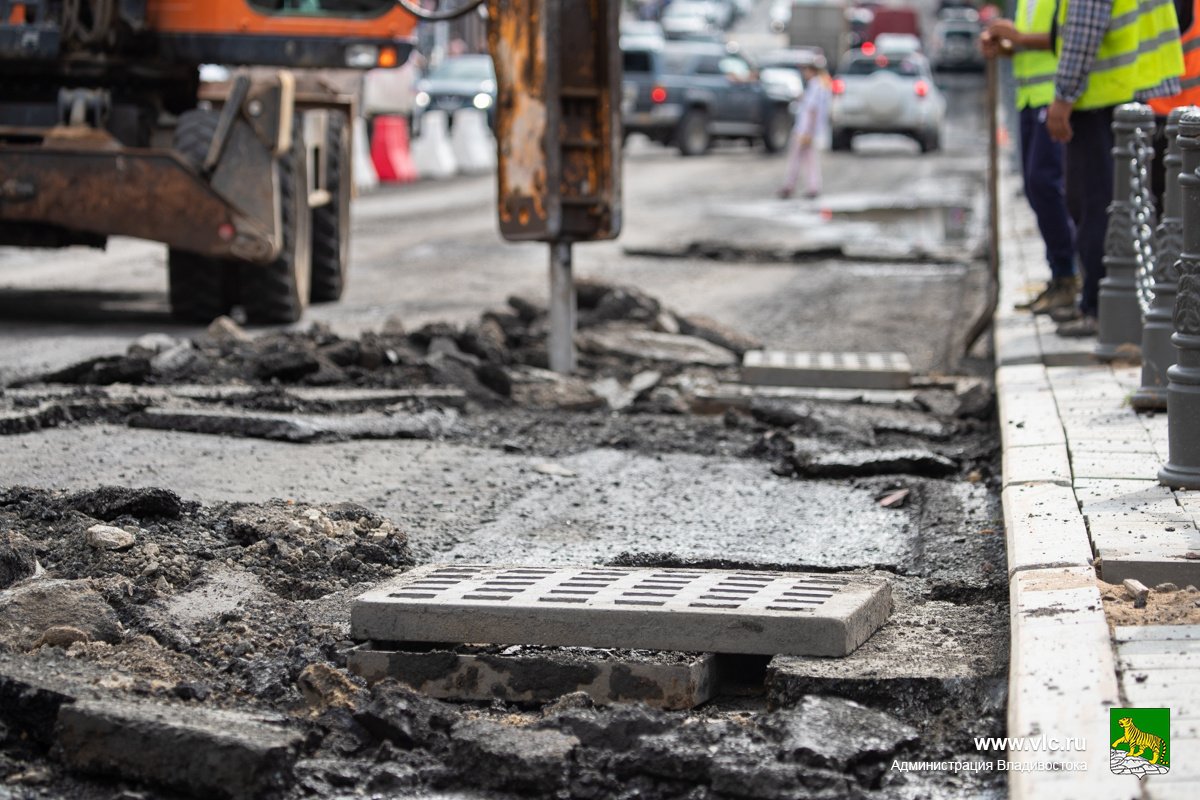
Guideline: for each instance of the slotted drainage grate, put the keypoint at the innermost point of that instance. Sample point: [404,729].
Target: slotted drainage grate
[654,609]
[835,370]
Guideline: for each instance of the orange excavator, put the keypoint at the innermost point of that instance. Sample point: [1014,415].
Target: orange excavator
[106,129]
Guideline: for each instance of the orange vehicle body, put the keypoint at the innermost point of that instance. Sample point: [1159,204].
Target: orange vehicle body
[241,17]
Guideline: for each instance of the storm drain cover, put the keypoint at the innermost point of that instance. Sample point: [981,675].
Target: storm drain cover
[652,609]
[834,370]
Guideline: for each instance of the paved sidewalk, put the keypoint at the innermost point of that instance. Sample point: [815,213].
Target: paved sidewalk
[1082,505]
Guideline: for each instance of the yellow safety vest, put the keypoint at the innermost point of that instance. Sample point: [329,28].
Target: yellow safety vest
[1034,69]
[1160,52]
[1114,75]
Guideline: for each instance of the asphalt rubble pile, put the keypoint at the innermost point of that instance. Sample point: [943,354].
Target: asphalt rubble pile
[151,646]
[632,350]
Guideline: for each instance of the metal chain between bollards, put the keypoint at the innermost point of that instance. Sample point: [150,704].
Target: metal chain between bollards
[1143,219]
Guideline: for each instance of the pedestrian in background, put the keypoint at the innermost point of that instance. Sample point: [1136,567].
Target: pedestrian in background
[812,121]
[1026,39]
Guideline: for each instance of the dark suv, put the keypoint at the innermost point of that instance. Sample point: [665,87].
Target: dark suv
[687,95]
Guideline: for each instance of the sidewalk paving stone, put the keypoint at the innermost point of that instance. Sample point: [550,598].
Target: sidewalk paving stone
[1064,672]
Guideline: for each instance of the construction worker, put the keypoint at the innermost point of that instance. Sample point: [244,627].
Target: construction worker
[1024,39]
[1109,52]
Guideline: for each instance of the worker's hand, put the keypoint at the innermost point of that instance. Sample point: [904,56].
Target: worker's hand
[1002,35]
[1058,120]
[989,46]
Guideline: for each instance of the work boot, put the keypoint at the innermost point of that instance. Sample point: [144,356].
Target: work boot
[1086,325]
[1028,304]
[1065,313]
[1059,294]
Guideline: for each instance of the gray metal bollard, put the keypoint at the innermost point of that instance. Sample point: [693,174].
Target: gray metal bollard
[1120,314]
[1183,388]
[1158,354]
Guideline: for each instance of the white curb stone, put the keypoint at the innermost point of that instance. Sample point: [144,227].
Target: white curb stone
[1062,682]
[1044,528]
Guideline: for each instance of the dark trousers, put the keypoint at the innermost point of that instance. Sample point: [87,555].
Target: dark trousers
[1089,192]
[1042,165]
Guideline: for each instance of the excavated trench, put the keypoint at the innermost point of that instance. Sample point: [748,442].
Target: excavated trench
[143,635]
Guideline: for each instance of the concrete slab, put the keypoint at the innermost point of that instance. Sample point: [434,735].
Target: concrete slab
[1055,690]
[843,370]
[1043,528]
[1029,418]
[672,681]
[652,609]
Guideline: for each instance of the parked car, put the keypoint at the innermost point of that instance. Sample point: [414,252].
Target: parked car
[466,81]
[955,45]
[883,94]
[688,95]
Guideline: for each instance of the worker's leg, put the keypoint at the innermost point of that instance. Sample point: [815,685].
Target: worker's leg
[1045,189]
[1089,189]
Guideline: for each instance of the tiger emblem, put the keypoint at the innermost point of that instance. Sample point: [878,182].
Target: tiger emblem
[1140,741]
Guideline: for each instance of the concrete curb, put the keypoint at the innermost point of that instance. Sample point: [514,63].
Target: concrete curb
[1062,671]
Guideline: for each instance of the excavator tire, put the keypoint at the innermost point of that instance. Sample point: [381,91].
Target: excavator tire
[331,222]
[200,288]
[277,292]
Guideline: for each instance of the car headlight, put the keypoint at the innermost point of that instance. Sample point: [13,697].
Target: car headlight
[421,99]
[482,101]
[361,56]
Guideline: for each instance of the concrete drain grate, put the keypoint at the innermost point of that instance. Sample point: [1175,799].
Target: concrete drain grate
[834,370]
[653,609]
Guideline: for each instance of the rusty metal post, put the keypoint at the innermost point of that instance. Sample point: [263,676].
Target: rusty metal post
[558,134]
[561,346]
[1120,316]
[1182,469]
[1158,354]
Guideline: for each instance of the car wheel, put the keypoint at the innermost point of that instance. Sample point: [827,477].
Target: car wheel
[777,130]
[841,140]
[692,136]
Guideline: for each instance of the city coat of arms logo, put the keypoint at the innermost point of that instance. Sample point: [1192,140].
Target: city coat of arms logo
[1141,739]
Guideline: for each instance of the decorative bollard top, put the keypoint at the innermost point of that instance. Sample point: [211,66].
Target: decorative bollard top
[1137,114]
[1189,128]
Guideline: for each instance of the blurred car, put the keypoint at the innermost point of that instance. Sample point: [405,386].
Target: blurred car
[686,18]
[885,94]
[466,81]
[897,44]
[779,15]
[639,33]
[955,45]
[793,58]
[687,95]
